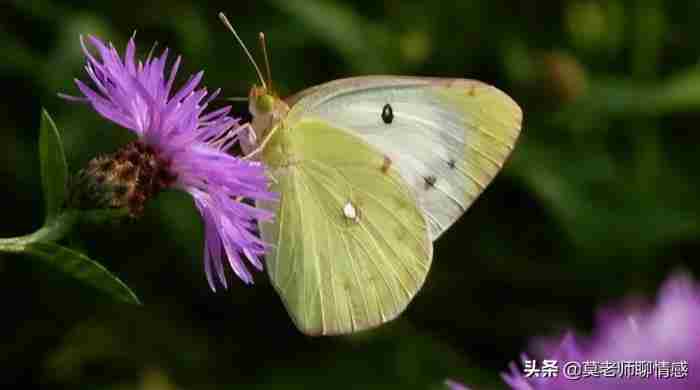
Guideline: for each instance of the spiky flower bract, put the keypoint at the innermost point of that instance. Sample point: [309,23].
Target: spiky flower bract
[179,146]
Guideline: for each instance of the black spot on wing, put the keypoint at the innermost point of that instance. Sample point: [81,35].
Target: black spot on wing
[430,181]
[387,114]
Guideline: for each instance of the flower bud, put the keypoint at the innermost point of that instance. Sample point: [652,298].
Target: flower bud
[125,179]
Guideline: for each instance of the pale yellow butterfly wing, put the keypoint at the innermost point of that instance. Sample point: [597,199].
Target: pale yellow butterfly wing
[351,244]
[448,138]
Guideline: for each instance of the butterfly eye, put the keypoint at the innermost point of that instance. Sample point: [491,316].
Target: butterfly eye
[265,103]
[387,114]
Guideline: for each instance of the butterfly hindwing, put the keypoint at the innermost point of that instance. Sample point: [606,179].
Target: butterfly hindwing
[448,138]
[351,244]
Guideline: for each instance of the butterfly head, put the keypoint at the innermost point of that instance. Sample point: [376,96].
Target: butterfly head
[267,109]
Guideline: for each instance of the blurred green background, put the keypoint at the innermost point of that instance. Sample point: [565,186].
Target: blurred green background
[599,201]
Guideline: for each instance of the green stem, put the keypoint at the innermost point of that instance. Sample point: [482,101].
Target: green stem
[52,231]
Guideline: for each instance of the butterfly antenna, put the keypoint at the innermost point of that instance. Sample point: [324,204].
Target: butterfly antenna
[263,44]
[228,25]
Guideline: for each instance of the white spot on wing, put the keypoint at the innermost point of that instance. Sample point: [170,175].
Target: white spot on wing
[349,211]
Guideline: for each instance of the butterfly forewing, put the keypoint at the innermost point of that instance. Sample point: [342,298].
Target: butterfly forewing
[448,138]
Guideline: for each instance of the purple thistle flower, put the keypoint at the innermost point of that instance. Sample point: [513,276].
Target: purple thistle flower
[629,342]
[180,146]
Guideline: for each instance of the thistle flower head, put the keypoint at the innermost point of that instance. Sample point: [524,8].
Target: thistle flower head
[179,146]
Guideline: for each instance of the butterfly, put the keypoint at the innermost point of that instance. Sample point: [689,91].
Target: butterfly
[370,171]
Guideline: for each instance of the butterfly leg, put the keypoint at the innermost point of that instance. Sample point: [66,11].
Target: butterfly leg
[262,145]
[247,138]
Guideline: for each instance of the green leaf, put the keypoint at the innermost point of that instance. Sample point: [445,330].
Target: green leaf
[81,268]
[54,170]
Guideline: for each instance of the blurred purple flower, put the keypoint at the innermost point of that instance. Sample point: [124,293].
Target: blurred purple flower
[661,341]
[454,385]
[190,148]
